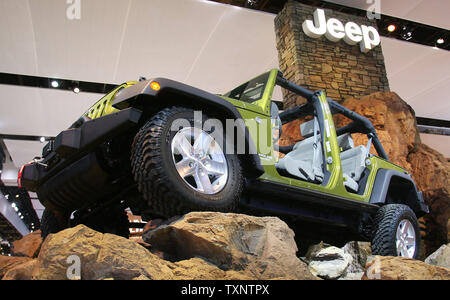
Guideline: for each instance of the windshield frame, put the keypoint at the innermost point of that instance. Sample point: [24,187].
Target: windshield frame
[238,93]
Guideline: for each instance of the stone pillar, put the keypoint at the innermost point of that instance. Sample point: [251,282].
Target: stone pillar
[340,69]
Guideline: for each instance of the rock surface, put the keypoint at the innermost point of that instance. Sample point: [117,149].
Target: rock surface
[360,252]
[395,123]
[256,247]
[346,263]
[400,268]
[440,257]
[212,246]
[330,263]
[28,246]
[8,263]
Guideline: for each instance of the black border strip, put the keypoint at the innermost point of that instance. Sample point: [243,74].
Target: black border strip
[63,84]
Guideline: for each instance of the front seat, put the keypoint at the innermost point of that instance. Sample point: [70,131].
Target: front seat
[305,160]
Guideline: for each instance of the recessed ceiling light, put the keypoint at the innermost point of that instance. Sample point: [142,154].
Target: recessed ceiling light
[76,90]
[391,28]
[42,139]
[55,84]
[440,41]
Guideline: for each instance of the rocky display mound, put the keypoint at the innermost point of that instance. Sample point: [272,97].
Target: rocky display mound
[206,246]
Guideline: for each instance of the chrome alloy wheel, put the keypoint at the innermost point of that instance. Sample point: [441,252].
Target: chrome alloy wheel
[405,239]
[199,160]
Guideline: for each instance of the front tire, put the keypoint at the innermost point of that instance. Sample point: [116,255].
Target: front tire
[396,232]
[178,172]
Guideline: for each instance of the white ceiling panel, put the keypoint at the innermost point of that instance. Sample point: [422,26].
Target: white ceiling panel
[23,152]
[243,38]
[164,37]
[17,50]
[431,12]
[40,112]
[85,49]
[420,75]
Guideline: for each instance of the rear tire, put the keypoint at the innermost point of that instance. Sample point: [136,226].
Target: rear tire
[156,158]
[396,232]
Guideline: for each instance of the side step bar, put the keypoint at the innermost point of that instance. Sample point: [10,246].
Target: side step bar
[298,195]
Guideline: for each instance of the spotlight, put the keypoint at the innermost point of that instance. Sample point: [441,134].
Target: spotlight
[440,41]
[391,28]
[55,84]
[406,34]
[42,139]
[76,90]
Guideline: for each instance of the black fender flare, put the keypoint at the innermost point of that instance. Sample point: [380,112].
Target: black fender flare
[381,186]
[142,91]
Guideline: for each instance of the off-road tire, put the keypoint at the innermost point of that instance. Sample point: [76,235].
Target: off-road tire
[385,225]
[166,193]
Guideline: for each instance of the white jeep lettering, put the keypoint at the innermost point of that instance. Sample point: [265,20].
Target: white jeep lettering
[334,30]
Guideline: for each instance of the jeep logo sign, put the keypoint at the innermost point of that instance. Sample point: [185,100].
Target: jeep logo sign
[334,30]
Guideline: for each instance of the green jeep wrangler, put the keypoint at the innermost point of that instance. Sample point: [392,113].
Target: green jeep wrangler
[163,148]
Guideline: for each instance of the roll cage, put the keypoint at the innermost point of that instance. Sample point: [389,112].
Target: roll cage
[359,123]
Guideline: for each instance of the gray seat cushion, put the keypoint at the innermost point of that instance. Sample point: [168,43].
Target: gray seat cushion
[345,142]
[354,162]
[299,162]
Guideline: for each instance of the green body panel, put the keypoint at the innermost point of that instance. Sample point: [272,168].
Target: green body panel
[104,106]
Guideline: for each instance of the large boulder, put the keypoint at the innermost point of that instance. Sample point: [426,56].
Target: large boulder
[23,271]
[212,246]
[401,268]
[28,246]
[396,126]
[346,263]
[441,257]
[81,252]
[330,263]
[257,247]
[360,252]
[8,263]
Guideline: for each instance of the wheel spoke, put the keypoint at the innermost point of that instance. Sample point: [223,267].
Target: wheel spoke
[214,167]
[405,250]
[184,168]
[182,145]
[202,143]
[410,241]
[405,228]
[202,180]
